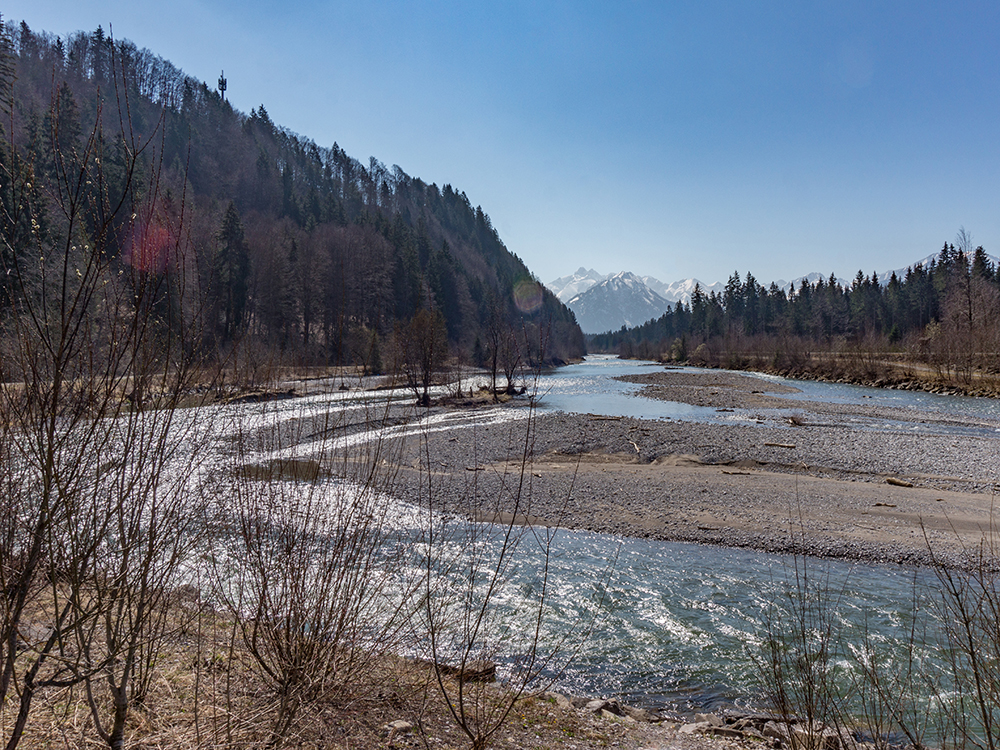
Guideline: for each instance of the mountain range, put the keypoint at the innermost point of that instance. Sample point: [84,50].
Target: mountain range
[620,300]
[606,302]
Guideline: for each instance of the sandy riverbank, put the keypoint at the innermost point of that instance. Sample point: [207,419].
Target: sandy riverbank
[816,484]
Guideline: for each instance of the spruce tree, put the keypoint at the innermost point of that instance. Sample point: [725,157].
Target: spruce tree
[232,273]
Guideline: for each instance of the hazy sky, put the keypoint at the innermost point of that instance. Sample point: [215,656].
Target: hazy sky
[674,139]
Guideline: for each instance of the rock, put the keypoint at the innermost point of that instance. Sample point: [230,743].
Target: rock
[696,728]
[395,728]
[777,730]
[606,714]
[599,704]
[615,707]
[559,699]
[641,714]
[713,719]
[817,735]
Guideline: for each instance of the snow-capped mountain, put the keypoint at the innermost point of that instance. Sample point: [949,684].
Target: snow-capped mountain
[622,299]
[567,287]
[812,278]
[680,291]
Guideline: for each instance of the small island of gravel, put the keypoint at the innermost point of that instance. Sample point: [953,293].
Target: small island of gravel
[858,482]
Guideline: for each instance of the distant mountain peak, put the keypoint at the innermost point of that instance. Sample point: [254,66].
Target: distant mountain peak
[567,287]
[619,300]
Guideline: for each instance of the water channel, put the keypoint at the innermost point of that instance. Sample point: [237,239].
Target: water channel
[681,626]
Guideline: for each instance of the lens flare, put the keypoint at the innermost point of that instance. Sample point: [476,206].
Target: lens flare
[527,295]
[150,249]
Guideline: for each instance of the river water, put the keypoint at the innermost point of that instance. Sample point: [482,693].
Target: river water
[683,627]
[687,624]
[591,387]
[680,626]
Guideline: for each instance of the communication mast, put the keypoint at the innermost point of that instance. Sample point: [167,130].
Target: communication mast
[222,85]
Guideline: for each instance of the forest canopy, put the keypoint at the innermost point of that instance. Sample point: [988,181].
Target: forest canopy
[278,244]
[943,312]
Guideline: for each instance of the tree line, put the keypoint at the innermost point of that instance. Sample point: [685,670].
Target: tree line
[943,312]
[285,249]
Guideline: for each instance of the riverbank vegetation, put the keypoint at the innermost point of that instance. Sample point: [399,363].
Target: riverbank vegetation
[173,573]
[933,328]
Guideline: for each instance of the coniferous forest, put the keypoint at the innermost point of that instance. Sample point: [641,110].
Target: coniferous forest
[268,245]
[942,314]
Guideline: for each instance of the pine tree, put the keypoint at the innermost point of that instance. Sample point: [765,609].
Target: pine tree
[982,267]
[232,273]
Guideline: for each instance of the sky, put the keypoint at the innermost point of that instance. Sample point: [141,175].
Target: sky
[673,139]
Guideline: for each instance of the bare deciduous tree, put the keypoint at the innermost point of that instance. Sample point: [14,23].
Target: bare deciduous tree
[312,571]
[94,529]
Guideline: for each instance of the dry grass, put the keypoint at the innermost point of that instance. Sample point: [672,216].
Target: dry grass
[206,694]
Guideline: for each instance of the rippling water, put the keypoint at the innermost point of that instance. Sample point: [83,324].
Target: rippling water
[677,626]
[682,626]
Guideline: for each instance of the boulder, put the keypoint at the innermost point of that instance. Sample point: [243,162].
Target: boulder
[559,699]
[395,728]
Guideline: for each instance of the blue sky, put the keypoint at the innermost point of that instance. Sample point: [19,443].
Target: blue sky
[674,139]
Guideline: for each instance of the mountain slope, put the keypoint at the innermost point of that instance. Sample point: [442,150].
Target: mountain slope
[325,256]
[620,300]
[681,291]
[567,287]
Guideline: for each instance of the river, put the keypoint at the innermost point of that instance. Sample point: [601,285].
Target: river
[684,627]
[592,387]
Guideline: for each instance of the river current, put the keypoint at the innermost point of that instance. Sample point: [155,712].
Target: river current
[676,626]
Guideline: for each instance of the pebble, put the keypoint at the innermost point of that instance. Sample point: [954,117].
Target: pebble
[858,443]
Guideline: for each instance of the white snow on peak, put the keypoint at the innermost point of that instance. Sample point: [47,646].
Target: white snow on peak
[567,287]
[606,302]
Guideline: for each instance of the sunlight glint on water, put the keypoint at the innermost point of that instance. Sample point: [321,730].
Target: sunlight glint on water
[679,625]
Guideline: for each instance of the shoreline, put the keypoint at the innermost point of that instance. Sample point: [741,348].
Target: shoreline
[893,375]
[823,485]
[817,485]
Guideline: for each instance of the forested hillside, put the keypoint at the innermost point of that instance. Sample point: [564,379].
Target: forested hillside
[266,241]
[944,313]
